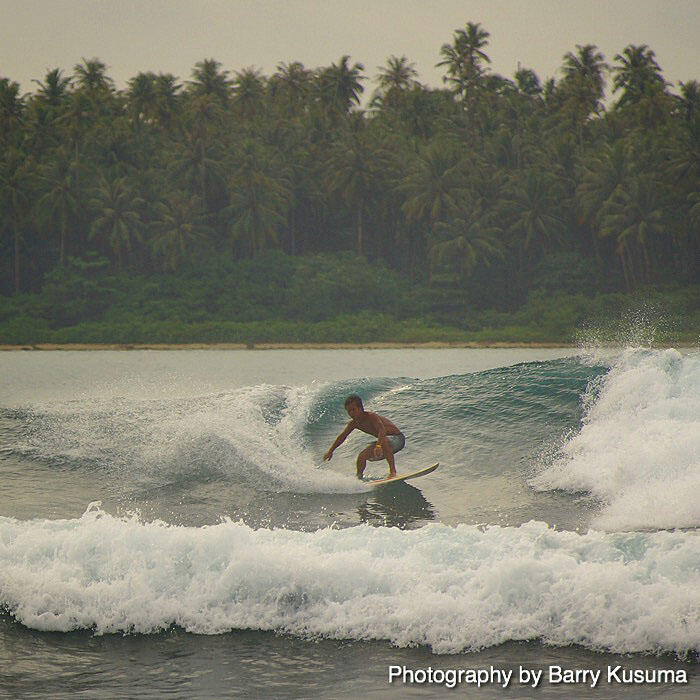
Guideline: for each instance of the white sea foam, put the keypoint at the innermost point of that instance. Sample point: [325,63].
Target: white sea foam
[261,430]
[638,450]
[454,589]
[253,433]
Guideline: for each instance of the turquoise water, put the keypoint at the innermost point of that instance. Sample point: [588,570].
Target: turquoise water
[180,499]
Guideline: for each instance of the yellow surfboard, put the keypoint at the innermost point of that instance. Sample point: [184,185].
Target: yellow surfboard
[403,477]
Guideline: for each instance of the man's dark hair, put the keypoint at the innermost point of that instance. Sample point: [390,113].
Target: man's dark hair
[354,398]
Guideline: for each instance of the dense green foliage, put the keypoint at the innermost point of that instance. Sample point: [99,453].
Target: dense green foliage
[277,298]
[251,207]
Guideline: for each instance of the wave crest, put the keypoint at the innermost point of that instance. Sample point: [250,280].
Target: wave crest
[454,589]
[638,450]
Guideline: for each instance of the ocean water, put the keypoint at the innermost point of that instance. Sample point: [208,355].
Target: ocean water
[168,526]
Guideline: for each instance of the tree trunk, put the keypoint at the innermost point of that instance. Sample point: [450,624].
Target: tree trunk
[202,177]
[647,261]
[62,249]
[17,261]
[596,246]
[293,242]
[621,253]
[77,230]
[359,231]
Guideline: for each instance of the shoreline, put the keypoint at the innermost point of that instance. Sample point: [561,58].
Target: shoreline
[431,345]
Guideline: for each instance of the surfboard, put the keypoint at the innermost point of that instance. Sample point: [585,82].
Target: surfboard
[403,477]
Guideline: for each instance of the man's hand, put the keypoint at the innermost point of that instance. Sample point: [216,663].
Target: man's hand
[328,455]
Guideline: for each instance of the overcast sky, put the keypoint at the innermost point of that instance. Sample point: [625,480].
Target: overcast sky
[172,35]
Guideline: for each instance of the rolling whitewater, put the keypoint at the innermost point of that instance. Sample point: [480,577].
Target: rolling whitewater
[167,524]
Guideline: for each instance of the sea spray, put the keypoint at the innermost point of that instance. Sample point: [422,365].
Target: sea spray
[253,435]
[638,449]
[452,588]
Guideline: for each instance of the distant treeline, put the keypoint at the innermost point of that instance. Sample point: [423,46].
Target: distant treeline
[328,297]
[476,196]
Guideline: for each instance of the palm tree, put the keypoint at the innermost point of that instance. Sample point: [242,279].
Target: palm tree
[583,85]
[464,58]
[15,180]
[588,66]
[467,241]
[536,217]
[179,227]
[78,115]
[248,93]
[291,84]
[694,211]
[690,98]
[600,178]
[208,80]
[340,86]
[142,98]
[77,118]
[259,200]
[550,93]
[682,156]
[117,218]
[356,165]
[527,82]
[487,190]
[54,90]
[11,109]
[433,191]
[204,115]
[167,99]
[635,217]
[421,110]
[498,85]
[396,78]
[302,168]
[398,74]
[57,205]
[196,165]
[637,75]
[559,157]
[196,158]
[506,148]
[91,77]
[45,107]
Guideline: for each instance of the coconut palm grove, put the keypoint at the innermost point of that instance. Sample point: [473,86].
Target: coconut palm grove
[339,203]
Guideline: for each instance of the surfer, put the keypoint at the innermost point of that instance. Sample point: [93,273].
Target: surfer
[389,438]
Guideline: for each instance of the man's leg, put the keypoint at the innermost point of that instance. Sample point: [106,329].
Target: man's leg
[362,460]
[378,453]
[388,454]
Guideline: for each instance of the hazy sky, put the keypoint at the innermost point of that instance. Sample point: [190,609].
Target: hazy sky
[172,35]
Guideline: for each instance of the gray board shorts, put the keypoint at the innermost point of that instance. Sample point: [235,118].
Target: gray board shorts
[397,443]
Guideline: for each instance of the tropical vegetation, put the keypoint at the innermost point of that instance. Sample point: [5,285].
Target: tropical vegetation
[239,206]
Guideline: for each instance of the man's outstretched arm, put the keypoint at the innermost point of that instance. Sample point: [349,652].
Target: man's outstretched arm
[339,441]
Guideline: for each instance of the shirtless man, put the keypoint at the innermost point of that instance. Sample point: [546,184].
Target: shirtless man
[389,438]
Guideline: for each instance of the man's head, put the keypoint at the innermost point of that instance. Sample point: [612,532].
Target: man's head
[353,405]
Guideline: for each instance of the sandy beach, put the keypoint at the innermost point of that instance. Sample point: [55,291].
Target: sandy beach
[278,346]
